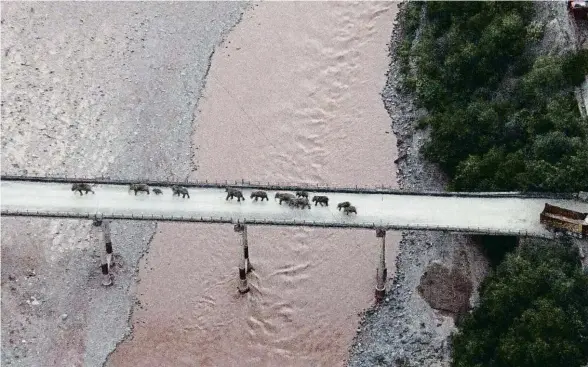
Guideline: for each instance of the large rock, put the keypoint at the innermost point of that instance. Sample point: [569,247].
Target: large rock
[445,289]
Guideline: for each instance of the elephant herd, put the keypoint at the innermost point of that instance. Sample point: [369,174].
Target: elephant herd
[297,200]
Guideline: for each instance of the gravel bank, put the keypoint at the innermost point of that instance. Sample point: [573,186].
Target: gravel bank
[92,89]
[405,330]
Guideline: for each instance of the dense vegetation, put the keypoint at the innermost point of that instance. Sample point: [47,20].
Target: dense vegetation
[496,247]
[504,117]
[533,312]
[501,117]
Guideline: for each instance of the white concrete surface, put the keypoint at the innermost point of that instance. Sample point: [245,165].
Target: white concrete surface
[487,215]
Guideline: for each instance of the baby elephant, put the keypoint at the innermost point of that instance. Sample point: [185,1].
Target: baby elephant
[323,200]
[283,196]
[157,192]
[82,187]
[139,187]
[234,193]
[299,203]
[302,194]
[344,204]
[177,190]
[259,195]
[350,209]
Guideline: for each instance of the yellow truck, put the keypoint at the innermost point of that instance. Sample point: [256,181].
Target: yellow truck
[571,222]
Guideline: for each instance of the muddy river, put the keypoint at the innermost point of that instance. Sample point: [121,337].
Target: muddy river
[292,95]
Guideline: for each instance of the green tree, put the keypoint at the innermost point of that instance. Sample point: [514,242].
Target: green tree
[575,67]
[533,312]
[499,119]
[553,146]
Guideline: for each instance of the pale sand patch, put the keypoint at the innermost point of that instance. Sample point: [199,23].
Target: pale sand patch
[293,95]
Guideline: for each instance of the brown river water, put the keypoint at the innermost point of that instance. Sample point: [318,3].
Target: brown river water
[293,95]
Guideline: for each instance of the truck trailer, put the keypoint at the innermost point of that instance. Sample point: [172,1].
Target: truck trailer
[561,220]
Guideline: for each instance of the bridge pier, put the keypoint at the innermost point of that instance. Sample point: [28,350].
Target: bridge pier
[106,276]
[105,257]
[244,264]
[108,243]
[381,271]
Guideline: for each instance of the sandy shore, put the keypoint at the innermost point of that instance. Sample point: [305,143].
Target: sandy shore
[89,88]
[293,95]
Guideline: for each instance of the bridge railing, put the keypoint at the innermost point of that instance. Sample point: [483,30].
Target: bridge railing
[257,185]
[288,223]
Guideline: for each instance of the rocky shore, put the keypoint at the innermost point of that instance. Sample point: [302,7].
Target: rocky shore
[405,330]
[433,269]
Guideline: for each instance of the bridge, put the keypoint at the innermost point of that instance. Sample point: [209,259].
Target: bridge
[475,213]
[506,213]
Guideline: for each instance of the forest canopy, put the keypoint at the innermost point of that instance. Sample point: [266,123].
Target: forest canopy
[502,116]
[533,312]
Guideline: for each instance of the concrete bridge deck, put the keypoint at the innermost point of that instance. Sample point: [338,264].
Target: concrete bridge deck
[484,213]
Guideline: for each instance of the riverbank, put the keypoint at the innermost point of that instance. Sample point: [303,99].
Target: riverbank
[405,328]
[88,89]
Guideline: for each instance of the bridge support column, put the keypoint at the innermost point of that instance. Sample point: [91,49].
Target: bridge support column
[244,264]
[106,276]
[381,271]
[108,243]
[106,257]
